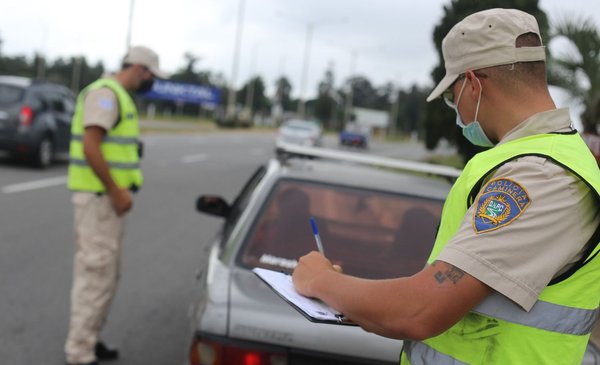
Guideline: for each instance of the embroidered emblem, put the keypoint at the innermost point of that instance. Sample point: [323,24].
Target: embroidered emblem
[500,203]
[105,103]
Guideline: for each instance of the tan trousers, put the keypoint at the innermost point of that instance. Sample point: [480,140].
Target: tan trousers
[98,236]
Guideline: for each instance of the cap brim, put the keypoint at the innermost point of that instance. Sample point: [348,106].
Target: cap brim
[159,73]
[446,82]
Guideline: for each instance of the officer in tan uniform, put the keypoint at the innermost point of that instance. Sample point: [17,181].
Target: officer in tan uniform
[513,277]
[104,171]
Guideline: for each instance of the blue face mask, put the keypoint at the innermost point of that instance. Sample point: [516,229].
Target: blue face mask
[473,131]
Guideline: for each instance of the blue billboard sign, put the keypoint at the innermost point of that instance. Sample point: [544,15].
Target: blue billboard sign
[207,96]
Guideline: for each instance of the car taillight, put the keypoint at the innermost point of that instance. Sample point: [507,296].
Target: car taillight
[212,352]
[26,116]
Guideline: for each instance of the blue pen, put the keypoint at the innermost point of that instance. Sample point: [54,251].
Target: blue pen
[315,230]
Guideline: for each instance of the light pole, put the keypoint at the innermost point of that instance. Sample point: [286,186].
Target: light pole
[277,108]
[307,41]
[251,85]
[395,110]
[76,76]
[310,26]
[41,66]
[41,56]
[350,96]
[234,68]
[129,25]
[353,59]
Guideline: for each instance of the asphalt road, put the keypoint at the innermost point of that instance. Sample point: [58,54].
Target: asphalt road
[165,245]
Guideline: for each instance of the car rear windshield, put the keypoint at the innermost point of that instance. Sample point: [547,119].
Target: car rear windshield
[371,234]
[301,127]
[10,94]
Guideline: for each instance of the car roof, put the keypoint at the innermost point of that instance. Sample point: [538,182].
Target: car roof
[16,80]
[24,82]
[362,165]
[366,177]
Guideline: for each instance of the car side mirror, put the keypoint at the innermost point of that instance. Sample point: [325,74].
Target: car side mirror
[213,205]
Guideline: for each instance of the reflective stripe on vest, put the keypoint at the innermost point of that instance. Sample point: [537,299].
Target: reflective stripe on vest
[544,315]
[421,354]
[110,139]
[112,165]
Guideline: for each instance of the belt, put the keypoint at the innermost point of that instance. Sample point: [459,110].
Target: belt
[132,188]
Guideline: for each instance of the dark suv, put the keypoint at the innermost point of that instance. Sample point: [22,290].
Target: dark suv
[35,118]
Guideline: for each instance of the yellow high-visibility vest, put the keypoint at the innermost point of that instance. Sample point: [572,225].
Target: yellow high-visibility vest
[119,146]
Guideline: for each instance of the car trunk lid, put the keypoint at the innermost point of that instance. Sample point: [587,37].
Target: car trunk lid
[258,314]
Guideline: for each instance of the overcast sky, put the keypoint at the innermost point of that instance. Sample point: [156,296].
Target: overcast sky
[392,39]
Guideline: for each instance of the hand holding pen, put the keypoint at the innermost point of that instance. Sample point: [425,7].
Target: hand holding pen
[311,266]
[315,230]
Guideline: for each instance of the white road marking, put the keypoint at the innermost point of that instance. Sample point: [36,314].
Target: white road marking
[194,158]
[33,185]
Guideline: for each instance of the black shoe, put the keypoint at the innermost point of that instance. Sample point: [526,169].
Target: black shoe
[104,352]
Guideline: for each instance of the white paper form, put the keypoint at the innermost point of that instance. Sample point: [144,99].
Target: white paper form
[314,309]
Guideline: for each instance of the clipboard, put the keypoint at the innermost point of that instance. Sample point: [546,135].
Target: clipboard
[313,309]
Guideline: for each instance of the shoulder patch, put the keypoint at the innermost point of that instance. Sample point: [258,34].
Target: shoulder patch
[500,203]
[106,103]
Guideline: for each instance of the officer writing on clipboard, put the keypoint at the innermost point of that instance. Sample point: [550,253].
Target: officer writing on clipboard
[513,277]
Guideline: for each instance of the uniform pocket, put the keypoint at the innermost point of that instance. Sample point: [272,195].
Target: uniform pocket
[81,200]
[104,209]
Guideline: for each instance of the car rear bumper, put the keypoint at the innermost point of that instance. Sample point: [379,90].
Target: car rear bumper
[353,141]
[14,141]
[278,354]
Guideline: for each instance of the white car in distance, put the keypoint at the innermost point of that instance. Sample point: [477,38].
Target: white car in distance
[301,132]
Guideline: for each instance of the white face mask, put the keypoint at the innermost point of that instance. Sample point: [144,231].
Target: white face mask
[473,131]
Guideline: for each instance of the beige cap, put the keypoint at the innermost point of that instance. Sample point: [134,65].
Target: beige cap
[140,55]
[487,39]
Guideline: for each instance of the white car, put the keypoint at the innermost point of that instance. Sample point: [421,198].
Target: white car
[301,132]
[375,222]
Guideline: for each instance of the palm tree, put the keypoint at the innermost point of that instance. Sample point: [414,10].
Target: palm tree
[577,67]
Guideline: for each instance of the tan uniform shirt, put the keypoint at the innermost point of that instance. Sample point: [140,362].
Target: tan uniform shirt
[100,108]
[518,260]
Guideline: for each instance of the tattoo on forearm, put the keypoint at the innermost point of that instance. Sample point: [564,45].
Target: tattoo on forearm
[452,273]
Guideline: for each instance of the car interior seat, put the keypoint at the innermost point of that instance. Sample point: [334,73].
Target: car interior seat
[414,240]
[291,232]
